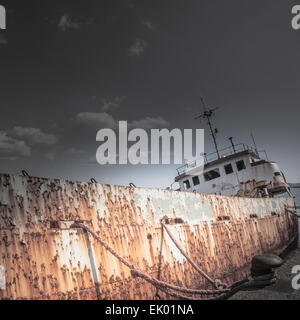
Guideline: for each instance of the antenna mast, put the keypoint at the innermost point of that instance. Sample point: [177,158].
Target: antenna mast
[254,143]
[207,114]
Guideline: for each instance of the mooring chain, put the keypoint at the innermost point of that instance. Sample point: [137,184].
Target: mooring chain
[162,285]
[217,283]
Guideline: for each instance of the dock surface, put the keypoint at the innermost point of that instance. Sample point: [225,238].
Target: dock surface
[282,289]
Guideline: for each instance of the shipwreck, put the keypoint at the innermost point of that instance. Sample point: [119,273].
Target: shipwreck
[85,240]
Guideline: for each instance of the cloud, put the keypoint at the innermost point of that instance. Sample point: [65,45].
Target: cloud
[138,47]
[148,24]
[10,147]
[33,136]
[96,120]
[3,40]
[110,104]
[100,120]
[74,151]
[66,23]
[150,123]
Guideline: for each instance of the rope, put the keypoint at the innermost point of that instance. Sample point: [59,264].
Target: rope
[245,284]
[294,212]
[217,283]
[289,192]
[163,286]
[184,297]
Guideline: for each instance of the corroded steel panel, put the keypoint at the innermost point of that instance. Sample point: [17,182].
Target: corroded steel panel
[44,258]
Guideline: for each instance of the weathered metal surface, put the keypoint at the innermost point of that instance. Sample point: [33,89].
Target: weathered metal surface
[45,259]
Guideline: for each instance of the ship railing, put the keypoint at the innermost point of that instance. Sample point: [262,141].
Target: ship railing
[190,165]
[207,158]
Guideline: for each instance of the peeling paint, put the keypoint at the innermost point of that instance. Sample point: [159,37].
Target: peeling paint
[44,258]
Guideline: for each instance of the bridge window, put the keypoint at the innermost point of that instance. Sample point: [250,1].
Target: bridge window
[228,168]
[212,174]
[196,180]
[277,174]
[240,165]
[186,184]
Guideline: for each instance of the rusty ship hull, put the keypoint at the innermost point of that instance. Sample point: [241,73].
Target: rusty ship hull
[45,258]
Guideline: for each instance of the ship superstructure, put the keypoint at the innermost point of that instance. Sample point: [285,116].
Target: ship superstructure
[241,172]
[238,170]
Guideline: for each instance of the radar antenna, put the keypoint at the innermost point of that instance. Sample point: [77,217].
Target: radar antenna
[207,114]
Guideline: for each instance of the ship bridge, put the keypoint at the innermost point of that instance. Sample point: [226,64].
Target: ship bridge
[239,170]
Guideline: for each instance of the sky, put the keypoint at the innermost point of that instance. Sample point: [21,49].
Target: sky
[71,68]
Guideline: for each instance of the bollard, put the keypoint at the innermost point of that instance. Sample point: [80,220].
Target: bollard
[264,264]
[262,272]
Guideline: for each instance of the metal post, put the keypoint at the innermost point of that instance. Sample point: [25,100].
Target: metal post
[207,114]
[213,134]
[254,143]
[233,147]
[93,266]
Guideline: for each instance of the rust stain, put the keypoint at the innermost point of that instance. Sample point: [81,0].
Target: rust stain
[46,259]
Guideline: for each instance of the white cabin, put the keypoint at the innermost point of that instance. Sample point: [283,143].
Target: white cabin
[242,172]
